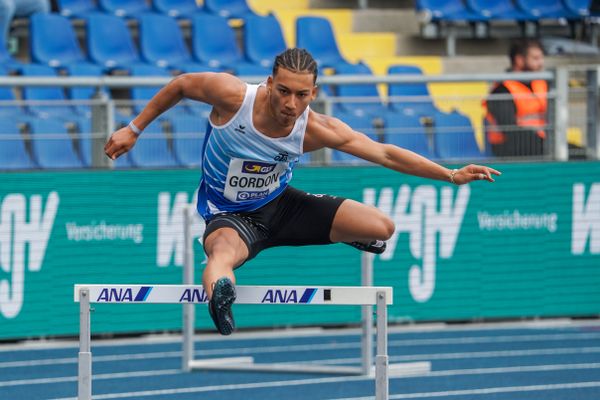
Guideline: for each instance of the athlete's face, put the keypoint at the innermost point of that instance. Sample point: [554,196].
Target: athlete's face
[289,95]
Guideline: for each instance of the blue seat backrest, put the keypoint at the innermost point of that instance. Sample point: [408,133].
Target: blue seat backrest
[545,9]
[263,39]
[455,137]
[161,40]
[109,41]
[418,99]
[53,40]
[124,8]
[228,8]
[316,35]
[176,8]
[214,42]
[76,8]
[578,7]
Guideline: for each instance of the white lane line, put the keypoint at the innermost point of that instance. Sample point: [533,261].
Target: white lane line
[239,386]
[145,341]
[63,379]
[486,391]
[457,372]
[470,355]
[314,347]
[299,382]
[413,357]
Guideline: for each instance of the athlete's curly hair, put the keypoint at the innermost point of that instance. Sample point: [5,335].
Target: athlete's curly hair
[296,60]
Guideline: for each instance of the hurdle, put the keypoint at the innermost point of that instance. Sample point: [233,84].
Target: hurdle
[380,297]
[367,364]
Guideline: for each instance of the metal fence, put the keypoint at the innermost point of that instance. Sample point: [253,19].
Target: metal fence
[440,117]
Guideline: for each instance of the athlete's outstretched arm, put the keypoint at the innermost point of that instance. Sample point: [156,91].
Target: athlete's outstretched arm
[223,91]
[325,131]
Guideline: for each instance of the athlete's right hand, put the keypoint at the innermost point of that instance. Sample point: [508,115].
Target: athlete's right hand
[120,143]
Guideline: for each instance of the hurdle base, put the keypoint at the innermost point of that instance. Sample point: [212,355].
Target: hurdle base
[248,364]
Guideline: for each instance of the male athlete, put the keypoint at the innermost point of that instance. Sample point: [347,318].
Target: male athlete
[256,135]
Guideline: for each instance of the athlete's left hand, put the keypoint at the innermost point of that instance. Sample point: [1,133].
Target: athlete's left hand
[474,172]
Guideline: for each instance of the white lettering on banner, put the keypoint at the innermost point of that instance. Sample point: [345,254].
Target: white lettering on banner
[515,220]
[170,228]
[17,231]
[423,220]
[586,219]
[101,231]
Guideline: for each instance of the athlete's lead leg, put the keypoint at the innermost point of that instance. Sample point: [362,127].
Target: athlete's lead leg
[225,250]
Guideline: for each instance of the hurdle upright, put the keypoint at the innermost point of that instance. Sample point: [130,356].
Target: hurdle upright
[380,297]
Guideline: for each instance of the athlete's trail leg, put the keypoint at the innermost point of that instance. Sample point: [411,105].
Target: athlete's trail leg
[357,222]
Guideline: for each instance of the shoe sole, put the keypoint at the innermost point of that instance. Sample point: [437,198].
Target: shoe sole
[223,297]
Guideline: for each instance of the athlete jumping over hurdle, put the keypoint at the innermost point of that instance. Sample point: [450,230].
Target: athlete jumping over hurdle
[255,137]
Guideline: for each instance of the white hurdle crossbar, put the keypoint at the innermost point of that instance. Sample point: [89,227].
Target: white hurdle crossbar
[380,297]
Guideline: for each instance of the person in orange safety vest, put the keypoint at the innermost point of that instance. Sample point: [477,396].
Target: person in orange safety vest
[516,111]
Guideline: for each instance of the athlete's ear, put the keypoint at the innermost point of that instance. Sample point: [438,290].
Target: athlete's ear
[269,83]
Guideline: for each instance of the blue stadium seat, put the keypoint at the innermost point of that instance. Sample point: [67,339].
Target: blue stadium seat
[45,93]
[124,8]
[53,41]
[407,132]
[214,42]
[360,108]
[316,35]
[448,10]
[13,154]
[162,44]
[188,137]
[361,124]
[545,9]
[84,92]
[52,145]
[152,149]
[176,8]
[263,39]
[454,137]
[109,42]
[420,103]
[498,10]
[76,8]
[228,8]
[578,7]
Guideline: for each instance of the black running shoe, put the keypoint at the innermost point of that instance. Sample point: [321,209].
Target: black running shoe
[375,247]
[219,306]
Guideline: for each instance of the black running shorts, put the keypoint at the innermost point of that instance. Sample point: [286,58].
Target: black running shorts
[294,218]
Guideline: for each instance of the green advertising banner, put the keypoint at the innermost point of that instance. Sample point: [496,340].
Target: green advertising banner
[525,246]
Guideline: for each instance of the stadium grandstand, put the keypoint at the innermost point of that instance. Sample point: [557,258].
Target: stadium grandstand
[494,285]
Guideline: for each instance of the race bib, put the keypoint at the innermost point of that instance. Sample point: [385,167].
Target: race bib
[249,180]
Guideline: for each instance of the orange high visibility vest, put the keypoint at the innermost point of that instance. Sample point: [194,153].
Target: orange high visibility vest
[531,107]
